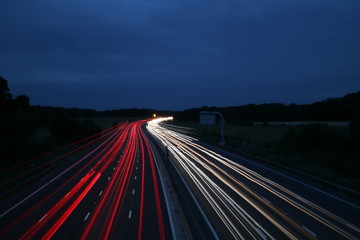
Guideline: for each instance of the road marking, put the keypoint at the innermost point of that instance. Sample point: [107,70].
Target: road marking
[133,192]
[100,193]
[87,216]
[136,168]
[130,212]
[51,181]
[311,232]
[135,177]
[114,168]
[108,178]
[43,218]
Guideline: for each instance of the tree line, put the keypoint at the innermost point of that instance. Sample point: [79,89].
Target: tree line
[28,131]
[346,108]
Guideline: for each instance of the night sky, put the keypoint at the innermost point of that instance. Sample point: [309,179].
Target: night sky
[179,54]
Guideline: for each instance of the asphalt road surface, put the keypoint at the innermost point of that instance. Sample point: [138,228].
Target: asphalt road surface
[243,199]
[113,192]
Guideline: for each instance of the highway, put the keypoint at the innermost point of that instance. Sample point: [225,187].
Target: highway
[112,192]
[243,199]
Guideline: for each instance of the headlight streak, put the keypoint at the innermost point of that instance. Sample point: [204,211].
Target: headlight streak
[182,148]
[251,202]
[227,222]
[242,170]
[249,224]
[240,193]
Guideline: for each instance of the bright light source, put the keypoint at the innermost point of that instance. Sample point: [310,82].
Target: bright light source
[154,115]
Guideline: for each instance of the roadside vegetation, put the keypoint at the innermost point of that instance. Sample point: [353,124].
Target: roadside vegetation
[282,133]
[28,131]
[329,152]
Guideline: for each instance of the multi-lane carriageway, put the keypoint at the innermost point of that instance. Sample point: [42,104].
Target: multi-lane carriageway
[116,191]
[113,192]
[247,199]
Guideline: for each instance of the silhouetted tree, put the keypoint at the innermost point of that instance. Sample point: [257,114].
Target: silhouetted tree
[5,95]
[69,130]
[21,102]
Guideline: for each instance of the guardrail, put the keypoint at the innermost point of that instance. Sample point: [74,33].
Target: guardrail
[194,214]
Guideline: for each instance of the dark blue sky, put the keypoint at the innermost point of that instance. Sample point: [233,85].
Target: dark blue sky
[178,54]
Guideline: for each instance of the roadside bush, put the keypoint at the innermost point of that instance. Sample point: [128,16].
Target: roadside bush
[70,130]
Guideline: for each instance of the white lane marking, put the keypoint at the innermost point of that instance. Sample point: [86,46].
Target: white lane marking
[100,193]
[108,178]
[114,168]
[136,168]
[133,192]
[130,212]
[135,177]
[43,218]
[87,216]
[311,232]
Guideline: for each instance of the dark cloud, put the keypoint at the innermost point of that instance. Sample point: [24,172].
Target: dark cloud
[179,54]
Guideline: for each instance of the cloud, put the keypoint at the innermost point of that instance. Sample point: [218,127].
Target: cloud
[192,44]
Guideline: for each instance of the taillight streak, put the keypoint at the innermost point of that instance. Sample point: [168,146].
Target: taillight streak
[62,219]
[156,188]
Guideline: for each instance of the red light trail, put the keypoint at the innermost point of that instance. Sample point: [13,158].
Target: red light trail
[112,167]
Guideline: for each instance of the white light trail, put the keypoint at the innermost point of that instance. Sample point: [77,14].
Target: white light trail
[207,169]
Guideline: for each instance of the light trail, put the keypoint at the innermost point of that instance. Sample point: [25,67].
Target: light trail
[40,203]
[155,184]
[88,178]
[220,181]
